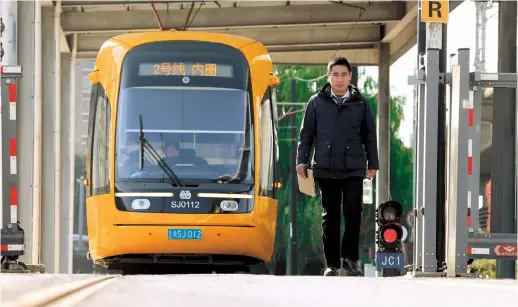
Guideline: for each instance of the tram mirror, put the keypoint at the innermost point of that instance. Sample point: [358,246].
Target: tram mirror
[93,77]
[274,81]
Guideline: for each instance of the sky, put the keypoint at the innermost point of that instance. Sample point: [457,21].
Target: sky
[461,34]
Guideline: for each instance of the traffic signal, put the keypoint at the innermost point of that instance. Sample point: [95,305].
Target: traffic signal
[390,232]
[390,259]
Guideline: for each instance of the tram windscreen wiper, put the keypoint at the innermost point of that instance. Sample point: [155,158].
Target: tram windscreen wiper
[144,144]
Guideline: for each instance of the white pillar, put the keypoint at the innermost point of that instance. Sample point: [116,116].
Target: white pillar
[57,136]
[71,155]
[383,125]
[37,131]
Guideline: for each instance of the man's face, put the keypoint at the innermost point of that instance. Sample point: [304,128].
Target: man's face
[339,77]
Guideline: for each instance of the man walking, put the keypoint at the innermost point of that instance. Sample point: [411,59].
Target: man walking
[339,123]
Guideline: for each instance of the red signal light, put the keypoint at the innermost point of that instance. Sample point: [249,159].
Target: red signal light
[390,235]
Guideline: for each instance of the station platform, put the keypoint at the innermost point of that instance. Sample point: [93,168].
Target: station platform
[265,290]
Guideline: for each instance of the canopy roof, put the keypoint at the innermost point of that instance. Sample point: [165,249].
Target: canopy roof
[296,32]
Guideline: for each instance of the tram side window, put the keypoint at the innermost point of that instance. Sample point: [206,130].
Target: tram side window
[275,124]
[100,147]
[267,142]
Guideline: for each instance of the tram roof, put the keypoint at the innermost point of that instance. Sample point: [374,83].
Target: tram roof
[295,32]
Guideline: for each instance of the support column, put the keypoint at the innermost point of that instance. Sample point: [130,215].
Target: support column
[71,154]
[47,242]
[292,263]
[418,148]
[504,136]
[37,132]
[428,198]
[57,137]
[67,207]
[440,246]
[26,58]
[383,133]
[383,125]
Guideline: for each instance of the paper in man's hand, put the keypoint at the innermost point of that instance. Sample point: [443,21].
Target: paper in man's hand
[307,185]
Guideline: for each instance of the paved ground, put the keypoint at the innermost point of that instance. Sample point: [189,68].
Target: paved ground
[14,285]
[266,291]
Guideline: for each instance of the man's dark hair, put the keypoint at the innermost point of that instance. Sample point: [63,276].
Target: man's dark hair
[339,61]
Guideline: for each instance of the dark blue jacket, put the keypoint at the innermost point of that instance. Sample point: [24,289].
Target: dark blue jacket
[343,136]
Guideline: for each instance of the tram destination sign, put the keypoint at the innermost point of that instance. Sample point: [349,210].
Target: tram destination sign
[186,69]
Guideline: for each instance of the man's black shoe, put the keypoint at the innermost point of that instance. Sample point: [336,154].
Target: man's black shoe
[352,267]
[331,272]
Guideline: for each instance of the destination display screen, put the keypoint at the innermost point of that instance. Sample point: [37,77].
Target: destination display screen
[186,69]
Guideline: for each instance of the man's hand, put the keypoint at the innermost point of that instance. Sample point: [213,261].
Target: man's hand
[302,171]
[371,173]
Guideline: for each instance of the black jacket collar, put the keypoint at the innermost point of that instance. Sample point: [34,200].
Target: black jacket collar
[326,91]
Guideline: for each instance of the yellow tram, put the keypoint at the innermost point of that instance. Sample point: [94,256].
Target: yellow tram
[182,151]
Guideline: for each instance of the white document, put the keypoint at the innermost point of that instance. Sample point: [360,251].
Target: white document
[307,185]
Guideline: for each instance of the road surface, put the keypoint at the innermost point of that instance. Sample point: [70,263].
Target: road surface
[268,291]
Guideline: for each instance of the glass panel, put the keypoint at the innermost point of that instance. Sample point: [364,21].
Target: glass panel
[201,132]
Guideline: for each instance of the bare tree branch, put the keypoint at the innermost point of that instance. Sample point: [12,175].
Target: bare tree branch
[283,113]
[290,113]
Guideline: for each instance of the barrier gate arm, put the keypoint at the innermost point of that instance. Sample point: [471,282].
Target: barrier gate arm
[464,240]
[12,239]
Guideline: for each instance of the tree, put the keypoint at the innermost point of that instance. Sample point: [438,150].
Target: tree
[310,253]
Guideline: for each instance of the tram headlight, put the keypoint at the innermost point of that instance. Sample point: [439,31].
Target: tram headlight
[229,205]
[140,204]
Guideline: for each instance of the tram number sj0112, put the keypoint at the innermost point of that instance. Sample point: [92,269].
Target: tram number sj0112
[185,204]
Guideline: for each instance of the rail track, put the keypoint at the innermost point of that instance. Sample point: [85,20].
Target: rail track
[63,295]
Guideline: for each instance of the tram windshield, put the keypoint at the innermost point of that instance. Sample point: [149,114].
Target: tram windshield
[203,134]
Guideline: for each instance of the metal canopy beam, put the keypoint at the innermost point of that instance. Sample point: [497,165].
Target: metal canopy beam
[253,18]
[392,31]
[293,39]
[360,57]
[310,30]
[248,17]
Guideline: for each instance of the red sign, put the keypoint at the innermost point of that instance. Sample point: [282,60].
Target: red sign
[506,250]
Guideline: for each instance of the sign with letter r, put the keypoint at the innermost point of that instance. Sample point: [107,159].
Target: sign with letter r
[435,11]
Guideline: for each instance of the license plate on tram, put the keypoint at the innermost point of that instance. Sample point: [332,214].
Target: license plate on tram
[184,234]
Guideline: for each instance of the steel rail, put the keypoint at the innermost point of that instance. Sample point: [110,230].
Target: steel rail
[68,294]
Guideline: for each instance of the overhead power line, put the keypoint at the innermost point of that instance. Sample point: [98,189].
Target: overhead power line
[360,14]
